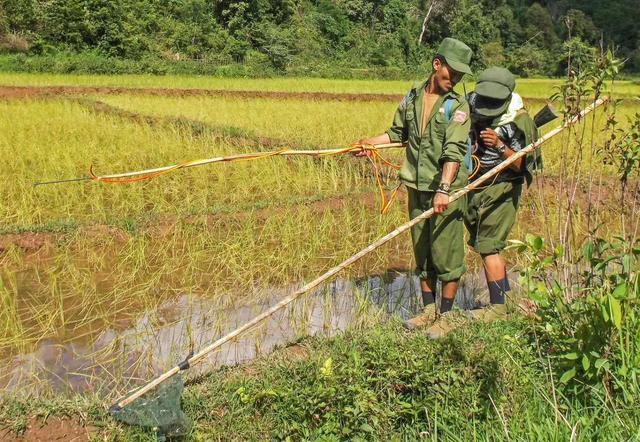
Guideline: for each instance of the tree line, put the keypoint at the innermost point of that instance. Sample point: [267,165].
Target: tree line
[312,37]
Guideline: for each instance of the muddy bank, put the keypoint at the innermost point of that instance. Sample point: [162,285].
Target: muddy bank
[162,226]
[234,135]
[17,92]
[52,429]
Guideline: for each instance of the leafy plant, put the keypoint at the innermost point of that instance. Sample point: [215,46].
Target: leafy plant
[590,330]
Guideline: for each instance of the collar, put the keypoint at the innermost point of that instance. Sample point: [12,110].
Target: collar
[421,86]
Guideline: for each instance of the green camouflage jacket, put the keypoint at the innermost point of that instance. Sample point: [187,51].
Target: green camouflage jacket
[443,140]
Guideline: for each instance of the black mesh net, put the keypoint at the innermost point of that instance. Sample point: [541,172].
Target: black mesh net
[159,410]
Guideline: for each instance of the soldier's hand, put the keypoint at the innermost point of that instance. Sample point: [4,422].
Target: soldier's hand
[362,152]
[440,202]
[489,138]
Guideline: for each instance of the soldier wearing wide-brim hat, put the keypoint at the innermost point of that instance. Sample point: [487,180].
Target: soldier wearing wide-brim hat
[500,127]
[433,121]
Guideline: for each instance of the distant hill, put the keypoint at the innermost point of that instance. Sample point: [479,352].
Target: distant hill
[311,37]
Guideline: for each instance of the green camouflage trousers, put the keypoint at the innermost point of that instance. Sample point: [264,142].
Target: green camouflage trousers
[490,215]
[438,242]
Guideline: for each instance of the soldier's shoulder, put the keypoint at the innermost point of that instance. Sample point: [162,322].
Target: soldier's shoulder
[456,97]
[411,95]
[523,117]
[418,85]
[523,113]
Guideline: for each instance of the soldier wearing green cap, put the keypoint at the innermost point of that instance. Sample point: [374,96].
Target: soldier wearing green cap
[434,122]
[500,127]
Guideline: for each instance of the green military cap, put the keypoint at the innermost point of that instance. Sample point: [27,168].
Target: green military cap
[494,88]
[456,54]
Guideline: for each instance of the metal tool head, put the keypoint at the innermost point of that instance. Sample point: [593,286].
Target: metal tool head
[546,115]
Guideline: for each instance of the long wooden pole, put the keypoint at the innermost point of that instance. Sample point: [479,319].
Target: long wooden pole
[370,248]
[238,157]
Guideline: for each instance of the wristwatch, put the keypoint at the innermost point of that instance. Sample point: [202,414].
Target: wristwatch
[501,147]
[444,188]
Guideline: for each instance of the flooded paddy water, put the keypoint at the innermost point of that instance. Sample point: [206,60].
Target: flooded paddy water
[119,358]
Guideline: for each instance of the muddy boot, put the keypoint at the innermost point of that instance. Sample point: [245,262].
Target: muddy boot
[446,323]
[424,319]
[493,312]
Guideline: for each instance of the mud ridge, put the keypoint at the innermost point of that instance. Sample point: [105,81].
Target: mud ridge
[21,92]
[605,194]
[234,135]
[17,92]
[163,226]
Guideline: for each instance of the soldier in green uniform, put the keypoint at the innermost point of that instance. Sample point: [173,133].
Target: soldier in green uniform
[434,122]
[500,127]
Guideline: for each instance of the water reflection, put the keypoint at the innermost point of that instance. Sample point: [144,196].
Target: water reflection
[121,359]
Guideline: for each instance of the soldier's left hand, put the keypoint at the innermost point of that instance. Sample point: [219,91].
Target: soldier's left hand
[489,138]
[440,202]
[360,143]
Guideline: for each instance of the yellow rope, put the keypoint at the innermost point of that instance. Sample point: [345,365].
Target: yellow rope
[149,176]
[373,154]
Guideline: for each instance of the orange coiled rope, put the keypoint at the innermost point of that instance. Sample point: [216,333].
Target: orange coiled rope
[377,162]
[373,154]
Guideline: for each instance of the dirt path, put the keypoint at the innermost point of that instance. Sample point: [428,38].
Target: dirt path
[234,135]
[52,429]
[17,92]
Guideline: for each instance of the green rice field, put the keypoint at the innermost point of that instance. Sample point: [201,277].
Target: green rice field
[82,263]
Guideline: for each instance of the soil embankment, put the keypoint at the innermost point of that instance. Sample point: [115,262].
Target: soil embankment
[16,92]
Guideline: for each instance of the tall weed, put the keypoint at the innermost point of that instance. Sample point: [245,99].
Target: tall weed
[587,287]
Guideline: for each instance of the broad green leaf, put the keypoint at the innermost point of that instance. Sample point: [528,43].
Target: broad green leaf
[538,243]
[620,291]
[519,246]
[366,427]
[600,363]
[547,261]
[616,312]
[567,376]
[586,363]
[604,312]
[558,251]
[571,356]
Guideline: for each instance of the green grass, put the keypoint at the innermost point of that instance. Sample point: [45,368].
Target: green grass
[484,382]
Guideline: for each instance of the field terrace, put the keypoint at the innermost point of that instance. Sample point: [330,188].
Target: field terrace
[84,262]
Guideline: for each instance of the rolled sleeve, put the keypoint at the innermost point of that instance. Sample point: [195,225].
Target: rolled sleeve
[457,134]
[397,132]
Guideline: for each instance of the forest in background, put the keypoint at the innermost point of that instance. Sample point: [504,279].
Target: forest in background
[333,38]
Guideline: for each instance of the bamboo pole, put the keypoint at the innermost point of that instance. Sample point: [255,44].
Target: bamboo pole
[238,157]
[370,248]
